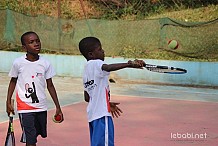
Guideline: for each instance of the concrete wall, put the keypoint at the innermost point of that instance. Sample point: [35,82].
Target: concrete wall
[199,73]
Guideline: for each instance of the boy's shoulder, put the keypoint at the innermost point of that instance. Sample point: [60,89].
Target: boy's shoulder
[44,60]
[18,59]
[96,62]
[91,64]
[41,57]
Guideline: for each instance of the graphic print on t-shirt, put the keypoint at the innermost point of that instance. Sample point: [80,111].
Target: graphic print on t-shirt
[31,92]
[90,85]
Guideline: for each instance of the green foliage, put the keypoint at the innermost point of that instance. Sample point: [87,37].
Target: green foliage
[140,9]
[104,9]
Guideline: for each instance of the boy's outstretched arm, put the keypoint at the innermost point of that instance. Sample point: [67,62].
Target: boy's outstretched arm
[11,87]
[130,64]
[53,93]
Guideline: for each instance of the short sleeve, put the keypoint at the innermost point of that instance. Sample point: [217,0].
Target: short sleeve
[14,70]
[50,72]
[100,72]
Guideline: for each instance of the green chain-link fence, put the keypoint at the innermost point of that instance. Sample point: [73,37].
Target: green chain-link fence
[134,39]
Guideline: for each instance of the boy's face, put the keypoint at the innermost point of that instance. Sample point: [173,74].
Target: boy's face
[32,44]
[98,53]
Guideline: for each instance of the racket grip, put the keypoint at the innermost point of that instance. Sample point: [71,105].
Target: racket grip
[11,114]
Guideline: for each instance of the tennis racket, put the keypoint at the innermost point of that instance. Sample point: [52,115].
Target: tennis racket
[10,139]
[165,69]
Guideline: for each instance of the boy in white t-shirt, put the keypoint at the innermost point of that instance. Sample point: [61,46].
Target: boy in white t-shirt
[30,75]
[97,91]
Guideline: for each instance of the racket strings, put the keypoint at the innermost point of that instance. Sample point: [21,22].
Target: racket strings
[167,70]
[10,139]
[156,69]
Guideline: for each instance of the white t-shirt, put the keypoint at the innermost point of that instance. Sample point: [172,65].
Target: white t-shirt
[95,82]
[31,83]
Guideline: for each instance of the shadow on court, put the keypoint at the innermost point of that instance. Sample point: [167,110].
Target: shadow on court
[153,116]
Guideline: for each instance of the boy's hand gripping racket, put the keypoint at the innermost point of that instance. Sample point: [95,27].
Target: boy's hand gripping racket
[10,139]
[165,69]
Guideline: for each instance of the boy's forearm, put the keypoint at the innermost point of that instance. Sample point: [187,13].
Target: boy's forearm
[114,67]
[10,93]
[11,88]
[53,94]
[130,64]
[56,101]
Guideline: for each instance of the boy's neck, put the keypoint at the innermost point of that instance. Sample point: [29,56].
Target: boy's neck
[94,59]
[32,57]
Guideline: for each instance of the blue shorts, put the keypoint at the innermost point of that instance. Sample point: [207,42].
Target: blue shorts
[102,132]
[33,124]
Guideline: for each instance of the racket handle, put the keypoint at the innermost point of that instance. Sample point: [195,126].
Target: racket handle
[11,114]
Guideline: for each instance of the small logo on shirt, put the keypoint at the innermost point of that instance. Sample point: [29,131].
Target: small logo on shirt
[90,85]
[39,74]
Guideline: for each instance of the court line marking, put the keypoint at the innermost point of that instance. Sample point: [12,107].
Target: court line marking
[182,91]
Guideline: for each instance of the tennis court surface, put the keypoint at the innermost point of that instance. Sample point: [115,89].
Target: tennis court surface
[152,115]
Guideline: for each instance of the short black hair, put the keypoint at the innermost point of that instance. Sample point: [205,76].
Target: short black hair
[88,44]
[25,34]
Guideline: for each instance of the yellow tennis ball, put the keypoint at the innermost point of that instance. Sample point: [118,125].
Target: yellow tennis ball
[173,44]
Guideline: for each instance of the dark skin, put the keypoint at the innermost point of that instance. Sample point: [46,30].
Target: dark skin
[98,53]
[32,46]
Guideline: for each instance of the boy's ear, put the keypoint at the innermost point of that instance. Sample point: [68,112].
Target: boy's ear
[24,48]
[90,55]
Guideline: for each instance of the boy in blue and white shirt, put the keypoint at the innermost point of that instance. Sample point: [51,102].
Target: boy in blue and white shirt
[97,91]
